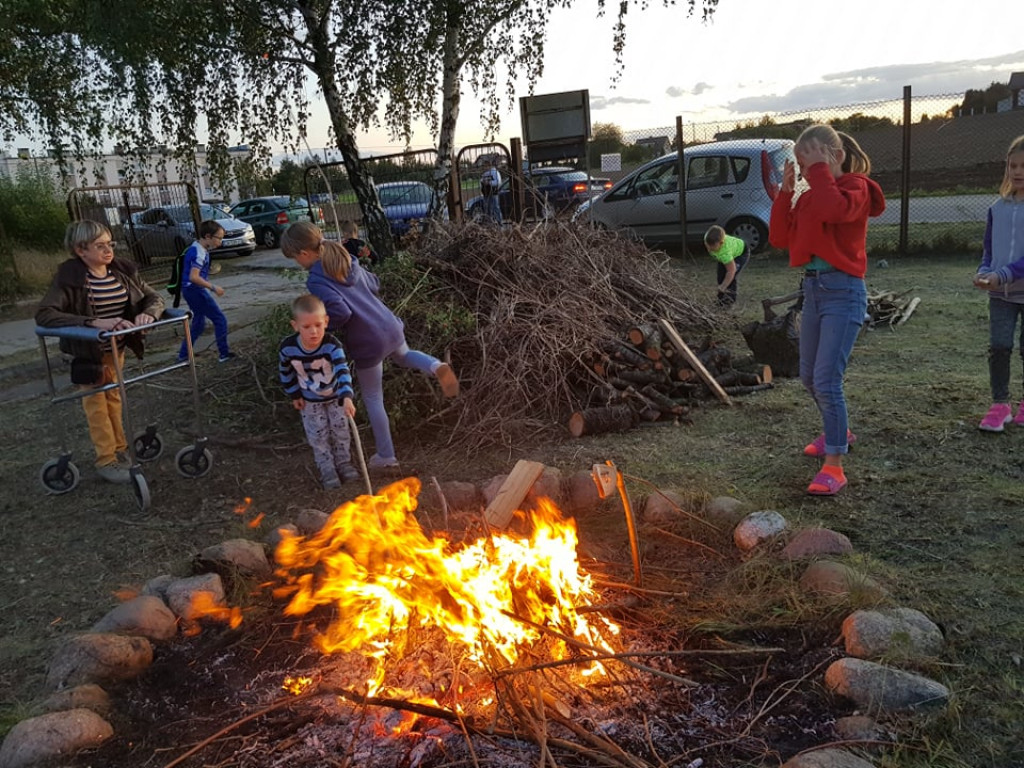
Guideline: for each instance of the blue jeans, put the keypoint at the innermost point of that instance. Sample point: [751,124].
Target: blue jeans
[492,208]
[834,307]
[203,306]
[1002,321]
[371,389]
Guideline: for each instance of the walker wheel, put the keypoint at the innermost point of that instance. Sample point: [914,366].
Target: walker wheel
[59,476]
[148,446]
[193,463]
[141,490]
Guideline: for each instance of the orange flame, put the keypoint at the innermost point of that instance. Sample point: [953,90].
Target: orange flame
[380,571]
[204,606]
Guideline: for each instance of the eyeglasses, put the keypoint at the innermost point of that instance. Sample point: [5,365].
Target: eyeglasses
[104,245]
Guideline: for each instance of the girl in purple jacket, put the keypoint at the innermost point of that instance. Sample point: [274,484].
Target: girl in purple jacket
[370,330]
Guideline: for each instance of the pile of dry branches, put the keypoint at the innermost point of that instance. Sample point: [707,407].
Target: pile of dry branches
[546,301]
[892,309]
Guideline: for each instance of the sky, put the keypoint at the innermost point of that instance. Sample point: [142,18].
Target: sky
[753,57]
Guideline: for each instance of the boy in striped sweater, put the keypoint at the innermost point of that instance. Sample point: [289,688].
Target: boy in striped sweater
[314,374]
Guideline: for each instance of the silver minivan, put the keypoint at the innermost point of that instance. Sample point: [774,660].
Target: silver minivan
[729,183]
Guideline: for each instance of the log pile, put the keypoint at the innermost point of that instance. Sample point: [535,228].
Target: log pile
[549,304]
[888,308]
[651,374]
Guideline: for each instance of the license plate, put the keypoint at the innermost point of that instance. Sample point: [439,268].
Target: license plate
[233,241]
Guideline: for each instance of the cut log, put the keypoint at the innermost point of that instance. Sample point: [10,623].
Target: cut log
[691,358]
[686,374]
[909,310]
[663,401]
[512,493]
[642,333]
[622,351]
[596,421]
[738,378]
[642,377]
[749,390]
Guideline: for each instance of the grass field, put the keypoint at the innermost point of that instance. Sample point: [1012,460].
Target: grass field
[933,506]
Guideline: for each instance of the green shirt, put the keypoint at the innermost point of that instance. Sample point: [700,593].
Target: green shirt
[730,249]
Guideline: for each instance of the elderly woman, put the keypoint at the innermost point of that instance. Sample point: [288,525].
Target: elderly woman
[96,290]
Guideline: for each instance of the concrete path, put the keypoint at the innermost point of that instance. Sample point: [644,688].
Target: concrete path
[251,285]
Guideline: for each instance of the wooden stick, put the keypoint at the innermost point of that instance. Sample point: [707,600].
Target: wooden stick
[693,360]
[908,311]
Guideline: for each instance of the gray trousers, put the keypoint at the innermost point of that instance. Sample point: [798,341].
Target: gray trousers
[327,434]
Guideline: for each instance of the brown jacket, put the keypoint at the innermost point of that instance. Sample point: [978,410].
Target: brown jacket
[67,303]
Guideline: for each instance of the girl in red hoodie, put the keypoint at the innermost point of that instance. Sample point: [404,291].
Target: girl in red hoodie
[825,231]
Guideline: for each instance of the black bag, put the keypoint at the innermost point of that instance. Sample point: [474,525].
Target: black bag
[174,282]
[86,372]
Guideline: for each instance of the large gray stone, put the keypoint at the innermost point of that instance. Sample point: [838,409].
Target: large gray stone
[310,521]
[191,598]
[663,507]
[827,758]
[893,633]
[876,688]
[275,536]
[581,492]
[88,696]
[46,738]
[157,586]
[243,556]
[460,496]
[724,511]
[832,578]
[98,658]
[814,542]
[146,615]
[757,528]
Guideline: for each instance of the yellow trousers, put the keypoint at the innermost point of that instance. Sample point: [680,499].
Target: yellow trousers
[103,412]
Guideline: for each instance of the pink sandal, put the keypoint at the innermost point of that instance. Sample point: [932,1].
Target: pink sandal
[825,484]
[817,447]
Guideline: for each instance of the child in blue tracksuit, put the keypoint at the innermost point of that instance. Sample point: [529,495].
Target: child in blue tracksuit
[314,374]
[1001,273]
[196,287]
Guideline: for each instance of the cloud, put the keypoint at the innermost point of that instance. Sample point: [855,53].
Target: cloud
[601,102]
[675,91]
[950,78]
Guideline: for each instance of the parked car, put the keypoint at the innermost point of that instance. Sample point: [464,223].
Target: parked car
[165,231]
[729,183]
[271,216]
[407,203]
[549,190]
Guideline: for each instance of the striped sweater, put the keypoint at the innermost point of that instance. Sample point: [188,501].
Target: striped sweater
[318,375]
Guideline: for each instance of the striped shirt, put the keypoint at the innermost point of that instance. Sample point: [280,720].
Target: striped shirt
[318,375]
[108,297]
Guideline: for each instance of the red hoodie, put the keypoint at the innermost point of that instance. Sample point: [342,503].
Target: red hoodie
[830,220]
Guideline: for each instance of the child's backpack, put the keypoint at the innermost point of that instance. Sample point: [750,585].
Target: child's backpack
[174,283]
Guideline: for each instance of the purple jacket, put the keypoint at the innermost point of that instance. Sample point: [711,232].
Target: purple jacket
[370,330]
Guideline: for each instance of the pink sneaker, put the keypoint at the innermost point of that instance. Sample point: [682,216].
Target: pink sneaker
[1019,418]
[816,447]
[998,416]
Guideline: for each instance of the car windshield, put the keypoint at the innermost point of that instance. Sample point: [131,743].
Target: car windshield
[404,194]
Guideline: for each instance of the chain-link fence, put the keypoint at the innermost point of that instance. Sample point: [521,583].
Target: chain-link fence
[945,169]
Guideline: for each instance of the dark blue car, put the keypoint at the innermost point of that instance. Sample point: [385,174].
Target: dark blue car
[406,204]
[549,191]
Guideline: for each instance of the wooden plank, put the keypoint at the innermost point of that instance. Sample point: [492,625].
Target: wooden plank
[512,493]
[694,361]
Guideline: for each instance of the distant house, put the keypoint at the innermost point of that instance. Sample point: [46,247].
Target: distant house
[1016,86]
[658,145]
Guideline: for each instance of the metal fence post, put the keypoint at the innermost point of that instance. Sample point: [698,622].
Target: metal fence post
[905,177]
[515,180]
[682,184]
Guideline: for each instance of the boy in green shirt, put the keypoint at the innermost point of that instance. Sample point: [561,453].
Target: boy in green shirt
[731,253]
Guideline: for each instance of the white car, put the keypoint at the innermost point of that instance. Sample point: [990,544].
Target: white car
[729,183]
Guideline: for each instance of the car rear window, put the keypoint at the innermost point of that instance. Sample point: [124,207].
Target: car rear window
[740,168]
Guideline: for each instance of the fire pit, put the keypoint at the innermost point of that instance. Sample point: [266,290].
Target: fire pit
[379,644]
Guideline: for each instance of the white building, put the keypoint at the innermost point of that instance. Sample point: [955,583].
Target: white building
[155,167]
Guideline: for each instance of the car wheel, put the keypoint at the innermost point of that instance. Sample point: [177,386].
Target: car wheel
[269,237]
[750,230]
[476,213]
